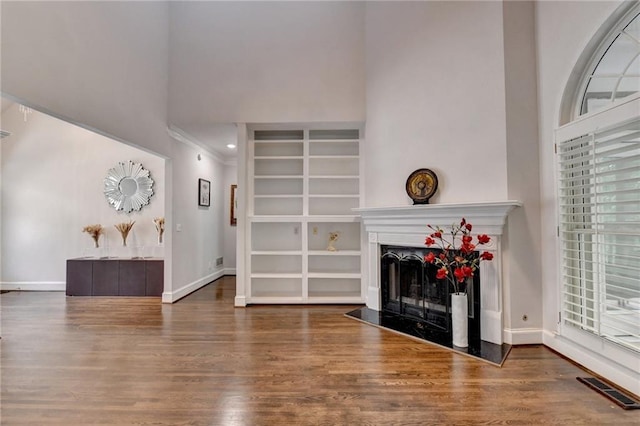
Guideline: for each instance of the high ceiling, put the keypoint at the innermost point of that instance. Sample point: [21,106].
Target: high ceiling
[212,137]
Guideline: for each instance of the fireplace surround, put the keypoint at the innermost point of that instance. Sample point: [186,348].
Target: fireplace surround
[406,227]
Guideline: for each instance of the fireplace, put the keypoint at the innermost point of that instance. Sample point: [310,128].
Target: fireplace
[409,289]
[405,228]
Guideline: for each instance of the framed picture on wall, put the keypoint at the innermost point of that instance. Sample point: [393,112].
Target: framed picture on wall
[204,193]
[234,205]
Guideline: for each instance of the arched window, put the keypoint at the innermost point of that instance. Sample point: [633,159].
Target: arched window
[614,71]
[599,199]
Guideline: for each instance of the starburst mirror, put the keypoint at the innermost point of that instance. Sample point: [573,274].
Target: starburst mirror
[128,186]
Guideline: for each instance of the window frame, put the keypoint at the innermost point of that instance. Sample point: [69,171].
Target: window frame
[596,58]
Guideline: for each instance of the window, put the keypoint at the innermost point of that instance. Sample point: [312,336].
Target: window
[599,199]
[615,70]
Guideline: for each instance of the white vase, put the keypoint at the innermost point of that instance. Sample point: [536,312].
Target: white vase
[460,319]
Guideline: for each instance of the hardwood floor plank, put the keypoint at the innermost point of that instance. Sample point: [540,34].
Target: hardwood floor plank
[133,361]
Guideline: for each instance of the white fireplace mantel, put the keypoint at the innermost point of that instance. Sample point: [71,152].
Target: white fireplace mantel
[407,226]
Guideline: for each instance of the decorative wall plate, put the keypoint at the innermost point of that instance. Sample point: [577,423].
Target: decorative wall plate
[128,186]
[421,185]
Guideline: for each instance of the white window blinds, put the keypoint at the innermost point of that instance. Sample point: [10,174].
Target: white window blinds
[599,198]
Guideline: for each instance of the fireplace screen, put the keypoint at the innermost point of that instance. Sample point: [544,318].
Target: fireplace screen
[410,289]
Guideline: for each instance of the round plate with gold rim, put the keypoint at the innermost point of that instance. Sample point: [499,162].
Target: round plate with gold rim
[421,185]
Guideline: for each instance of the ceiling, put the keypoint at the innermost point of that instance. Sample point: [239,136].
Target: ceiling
[211,137]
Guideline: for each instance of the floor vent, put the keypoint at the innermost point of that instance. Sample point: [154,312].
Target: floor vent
[616,396]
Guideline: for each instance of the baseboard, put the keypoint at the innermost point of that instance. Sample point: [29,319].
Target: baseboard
[174,296]
[62,285]
[34,286]
[523,336]
[240,301]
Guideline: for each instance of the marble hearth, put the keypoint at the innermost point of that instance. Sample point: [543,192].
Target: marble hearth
[407,226]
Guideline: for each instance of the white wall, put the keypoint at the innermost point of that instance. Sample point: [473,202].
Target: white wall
[521,267]
[266,62]
[53,175]
[199,242]
[435,99]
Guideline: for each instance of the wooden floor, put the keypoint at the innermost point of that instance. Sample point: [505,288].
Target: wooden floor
[124,361]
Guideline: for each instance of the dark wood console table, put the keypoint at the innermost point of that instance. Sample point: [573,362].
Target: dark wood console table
[115,277]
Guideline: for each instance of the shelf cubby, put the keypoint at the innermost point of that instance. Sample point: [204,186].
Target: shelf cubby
[334,186]
[278,206]
[292,166]
[279,236]
[272,286]
[278,149]
[283,186]
[332,205]
[276,263]
[320,264]
[334,287]
[336,148]
[334,166]
[348,236]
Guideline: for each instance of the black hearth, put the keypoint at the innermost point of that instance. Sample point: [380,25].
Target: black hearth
[411,292]
[416,304]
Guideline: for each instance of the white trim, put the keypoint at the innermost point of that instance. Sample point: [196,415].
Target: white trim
[240,302]
[618,20]
[243,244]
[174,296]
[229,271]
[491,323]
[34,286]
[181,136]
[591,357]
[487,217]
[523,336]
[619,112]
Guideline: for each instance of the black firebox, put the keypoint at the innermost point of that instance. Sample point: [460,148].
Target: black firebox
[411,291]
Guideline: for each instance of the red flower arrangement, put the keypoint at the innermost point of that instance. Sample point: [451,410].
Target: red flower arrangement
[456,264]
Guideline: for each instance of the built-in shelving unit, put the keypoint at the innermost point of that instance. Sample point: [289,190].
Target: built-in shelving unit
[303,185]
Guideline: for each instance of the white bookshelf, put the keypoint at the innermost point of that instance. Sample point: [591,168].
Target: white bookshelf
[303,184]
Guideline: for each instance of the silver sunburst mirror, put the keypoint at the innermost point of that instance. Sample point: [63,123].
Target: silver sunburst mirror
[128,186]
